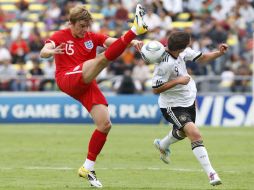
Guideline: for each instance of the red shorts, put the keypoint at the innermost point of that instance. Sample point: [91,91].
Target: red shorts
[71,82]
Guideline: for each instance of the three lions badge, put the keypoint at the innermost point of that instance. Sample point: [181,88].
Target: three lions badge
[88,44]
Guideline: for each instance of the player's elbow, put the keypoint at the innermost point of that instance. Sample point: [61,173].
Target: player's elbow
[156,91]
[203,59]
[43,54]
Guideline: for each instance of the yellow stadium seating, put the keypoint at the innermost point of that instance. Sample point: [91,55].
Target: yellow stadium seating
[88,6]
[182,24]
[8,7]
[9,1]
[97,16]
[36,7]
[31,24]
[183,16]
[33,17]
[131,15]
[232,40]
[112,33]
[15,1]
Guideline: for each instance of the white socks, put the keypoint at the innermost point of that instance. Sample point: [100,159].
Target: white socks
[89,165]
[168,140]
[134,30]
[202,156]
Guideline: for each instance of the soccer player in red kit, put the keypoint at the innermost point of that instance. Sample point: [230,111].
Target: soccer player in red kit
[77,67]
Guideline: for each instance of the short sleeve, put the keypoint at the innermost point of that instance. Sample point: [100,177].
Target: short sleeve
[191,55]
[160,75]
[54,39]
[100,39]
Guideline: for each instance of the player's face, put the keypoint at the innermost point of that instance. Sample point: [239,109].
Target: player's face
[80,28]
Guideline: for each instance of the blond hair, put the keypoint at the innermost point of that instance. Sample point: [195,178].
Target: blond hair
[78,13]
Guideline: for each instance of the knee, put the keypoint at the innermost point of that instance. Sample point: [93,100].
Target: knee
[178,134]
[192,132]
[106,126]
[104,62]
[87,80]
[195,136]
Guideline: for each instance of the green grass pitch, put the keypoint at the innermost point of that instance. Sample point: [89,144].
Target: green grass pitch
[46,157]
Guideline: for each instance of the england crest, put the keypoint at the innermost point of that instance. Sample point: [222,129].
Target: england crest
[89,44]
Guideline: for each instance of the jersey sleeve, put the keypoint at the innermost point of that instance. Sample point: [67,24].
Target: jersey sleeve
[100,39]
[160,75]
[54,39]
[191,55]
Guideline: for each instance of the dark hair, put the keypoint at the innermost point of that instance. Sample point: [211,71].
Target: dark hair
[178,40]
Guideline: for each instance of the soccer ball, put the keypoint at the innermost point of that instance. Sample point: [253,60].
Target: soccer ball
[152,52]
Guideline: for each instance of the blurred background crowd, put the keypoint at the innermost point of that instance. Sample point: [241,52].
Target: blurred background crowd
[25,24]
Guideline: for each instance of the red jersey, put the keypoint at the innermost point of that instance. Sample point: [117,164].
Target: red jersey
[77,50]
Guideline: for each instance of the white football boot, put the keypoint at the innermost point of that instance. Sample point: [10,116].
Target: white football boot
[214,179]
[164,154]
[90,176]
[139,24]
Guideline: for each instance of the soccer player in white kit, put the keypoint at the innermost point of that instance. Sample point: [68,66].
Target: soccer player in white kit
[177,98]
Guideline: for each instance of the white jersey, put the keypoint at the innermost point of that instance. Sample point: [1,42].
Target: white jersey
[169,69]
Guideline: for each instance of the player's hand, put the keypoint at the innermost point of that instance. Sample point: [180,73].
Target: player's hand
[59,49]
[137,44]
[223,48]
[183,80]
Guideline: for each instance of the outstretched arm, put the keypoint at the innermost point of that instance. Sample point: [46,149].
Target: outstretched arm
[49,50]
[206,57]
[170,84]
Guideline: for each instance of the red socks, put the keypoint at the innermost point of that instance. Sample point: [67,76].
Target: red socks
[117,48]
[96,143]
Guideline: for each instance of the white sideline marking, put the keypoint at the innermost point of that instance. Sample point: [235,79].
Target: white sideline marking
[68,168]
